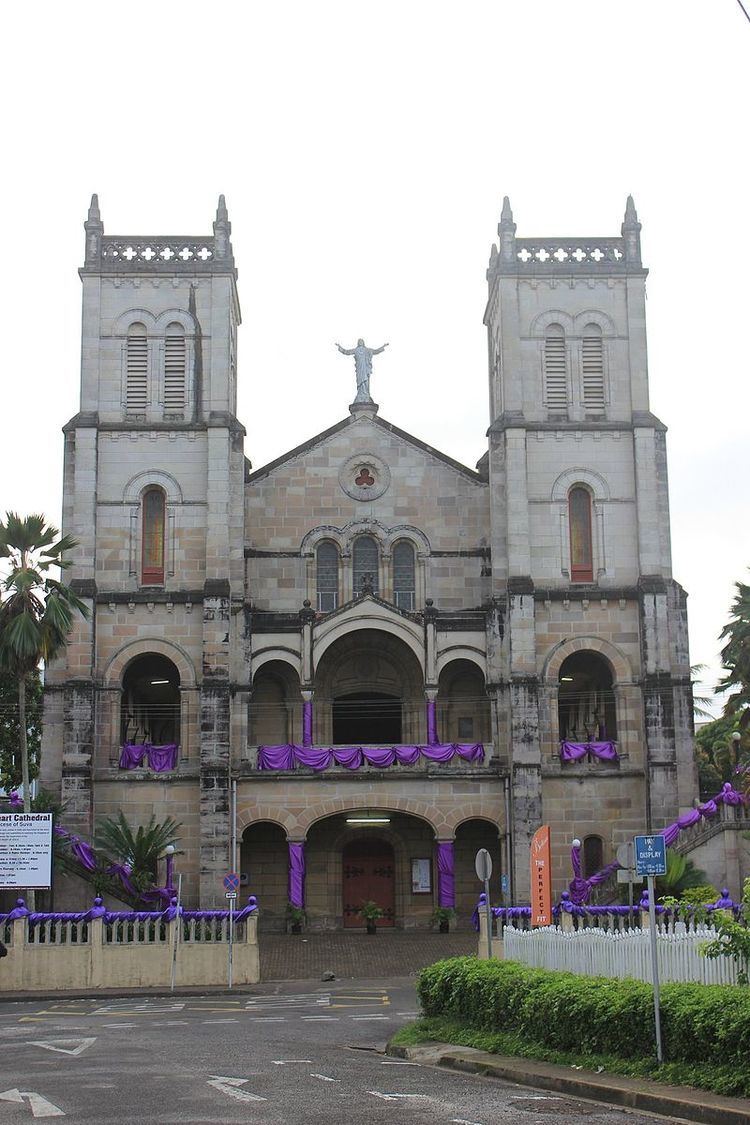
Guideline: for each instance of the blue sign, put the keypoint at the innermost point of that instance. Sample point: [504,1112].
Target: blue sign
[650,855]
[231,881]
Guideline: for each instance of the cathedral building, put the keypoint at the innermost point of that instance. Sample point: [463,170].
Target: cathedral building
[370,658]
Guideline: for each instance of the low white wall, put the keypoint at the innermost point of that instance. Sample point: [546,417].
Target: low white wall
[97,963]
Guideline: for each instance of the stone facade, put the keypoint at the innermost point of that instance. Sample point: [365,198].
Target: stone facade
[366,589]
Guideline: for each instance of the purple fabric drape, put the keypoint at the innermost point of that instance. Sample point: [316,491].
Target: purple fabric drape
[431,712]
[80,850]
[580,887]
[289,756]
[307,721]
[574,751]
[445,879]
[297,874]
[160,758]
[16,801]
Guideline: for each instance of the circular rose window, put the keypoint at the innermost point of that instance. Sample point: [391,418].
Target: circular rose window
[364,477]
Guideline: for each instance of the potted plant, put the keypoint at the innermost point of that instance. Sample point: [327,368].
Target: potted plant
[370,911]
[442,917]
[297,917]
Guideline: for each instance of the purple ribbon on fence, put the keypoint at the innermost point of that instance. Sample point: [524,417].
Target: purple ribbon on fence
[160,758]
[574,751]
[289,756]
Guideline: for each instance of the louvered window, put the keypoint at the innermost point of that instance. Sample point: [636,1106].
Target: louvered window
[327,576]
[593,369]
[365,558]
[403,575]
[136,370]
[555,370]
[175,357]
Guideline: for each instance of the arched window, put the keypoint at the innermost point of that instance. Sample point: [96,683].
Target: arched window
[175,369]
[136,370]
[404,581]
[586,700]
[150,702]
[365,559]
[592,357]
[555,370]
[581,549]
[593,855]
[327,576]
[152,553]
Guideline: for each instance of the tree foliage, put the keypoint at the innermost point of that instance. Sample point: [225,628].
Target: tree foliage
[735,657]
[37,610]
[10,734]
[141,848]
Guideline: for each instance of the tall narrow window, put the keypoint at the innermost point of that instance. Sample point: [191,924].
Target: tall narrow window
[175,357]
[365,558]
[555,370]
[136,370]
[152,565]
[327,576]
[592,354]
[581,555]
[593,855]
[403,575]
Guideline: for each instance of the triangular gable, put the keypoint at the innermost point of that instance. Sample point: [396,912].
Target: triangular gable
[387,427]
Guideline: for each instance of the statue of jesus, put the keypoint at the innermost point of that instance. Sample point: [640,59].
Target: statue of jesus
[363,366]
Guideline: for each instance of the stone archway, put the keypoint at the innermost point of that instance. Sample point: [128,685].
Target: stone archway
[369,690]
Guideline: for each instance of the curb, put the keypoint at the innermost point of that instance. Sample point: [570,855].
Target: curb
[124,993]
[632,1093]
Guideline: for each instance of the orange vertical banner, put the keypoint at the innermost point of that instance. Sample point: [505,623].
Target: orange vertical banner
[541,878]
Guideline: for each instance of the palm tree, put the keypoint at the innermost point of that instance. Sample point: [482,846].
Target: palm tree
[140,849]
[735,656]
[36,614]
[681,875]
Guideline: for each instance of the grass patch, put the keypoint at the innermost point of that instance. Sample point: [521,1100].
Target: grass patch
[729,1080]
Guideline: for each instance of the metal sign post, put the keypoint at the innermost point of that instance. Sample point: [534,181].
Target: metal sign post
[231,882]
[651,860]
[483,868]
[176,937]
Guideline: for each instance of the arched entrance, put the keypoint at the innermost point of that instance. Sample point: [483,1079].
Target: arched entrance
[586,700]
[368,870]
[264,867]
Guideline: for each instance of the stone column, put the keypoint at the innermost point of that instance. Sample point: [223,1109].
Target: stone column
[296,881]
[445,873]
[430,706]
[214,741]
[526,770]
[307,718]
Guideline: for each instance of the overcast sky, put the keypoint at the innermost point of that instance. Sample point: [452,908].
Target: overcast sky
[364,149]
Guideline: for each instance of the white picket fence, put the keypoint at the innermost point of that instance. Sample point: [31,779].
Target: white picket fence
[620,953]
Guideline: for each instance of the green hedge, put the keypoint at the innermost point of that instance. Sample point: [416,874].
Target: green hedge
[700,1023]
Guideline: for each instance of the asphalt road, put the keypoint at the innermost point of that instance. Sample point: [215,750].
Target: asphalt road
[279,1055]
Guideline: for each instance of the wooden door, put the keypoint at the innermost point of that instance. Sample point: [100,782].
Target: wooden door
[368,874]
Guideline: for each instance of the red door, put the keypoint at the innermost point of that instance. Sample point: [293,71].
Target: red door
[368,871]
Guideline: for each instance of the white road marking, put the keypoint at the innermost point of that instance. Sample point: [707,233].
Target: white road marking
[170,1023]
[534,1098]
[286,1062]
[268,1019]
[119,1025]
[394,1097]
[324,1077]
[64,1046]
[393,1062]
[230,1087]
[463,1121]
[369,1017]
[230,1019]
[324,1019]
[39,1106]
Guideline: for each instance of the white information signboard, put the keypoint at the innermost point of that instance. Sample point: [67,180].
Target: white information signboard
[25,850]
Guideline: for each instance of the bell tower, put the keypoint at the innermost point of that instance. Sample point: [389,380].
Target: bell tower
[153,493]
